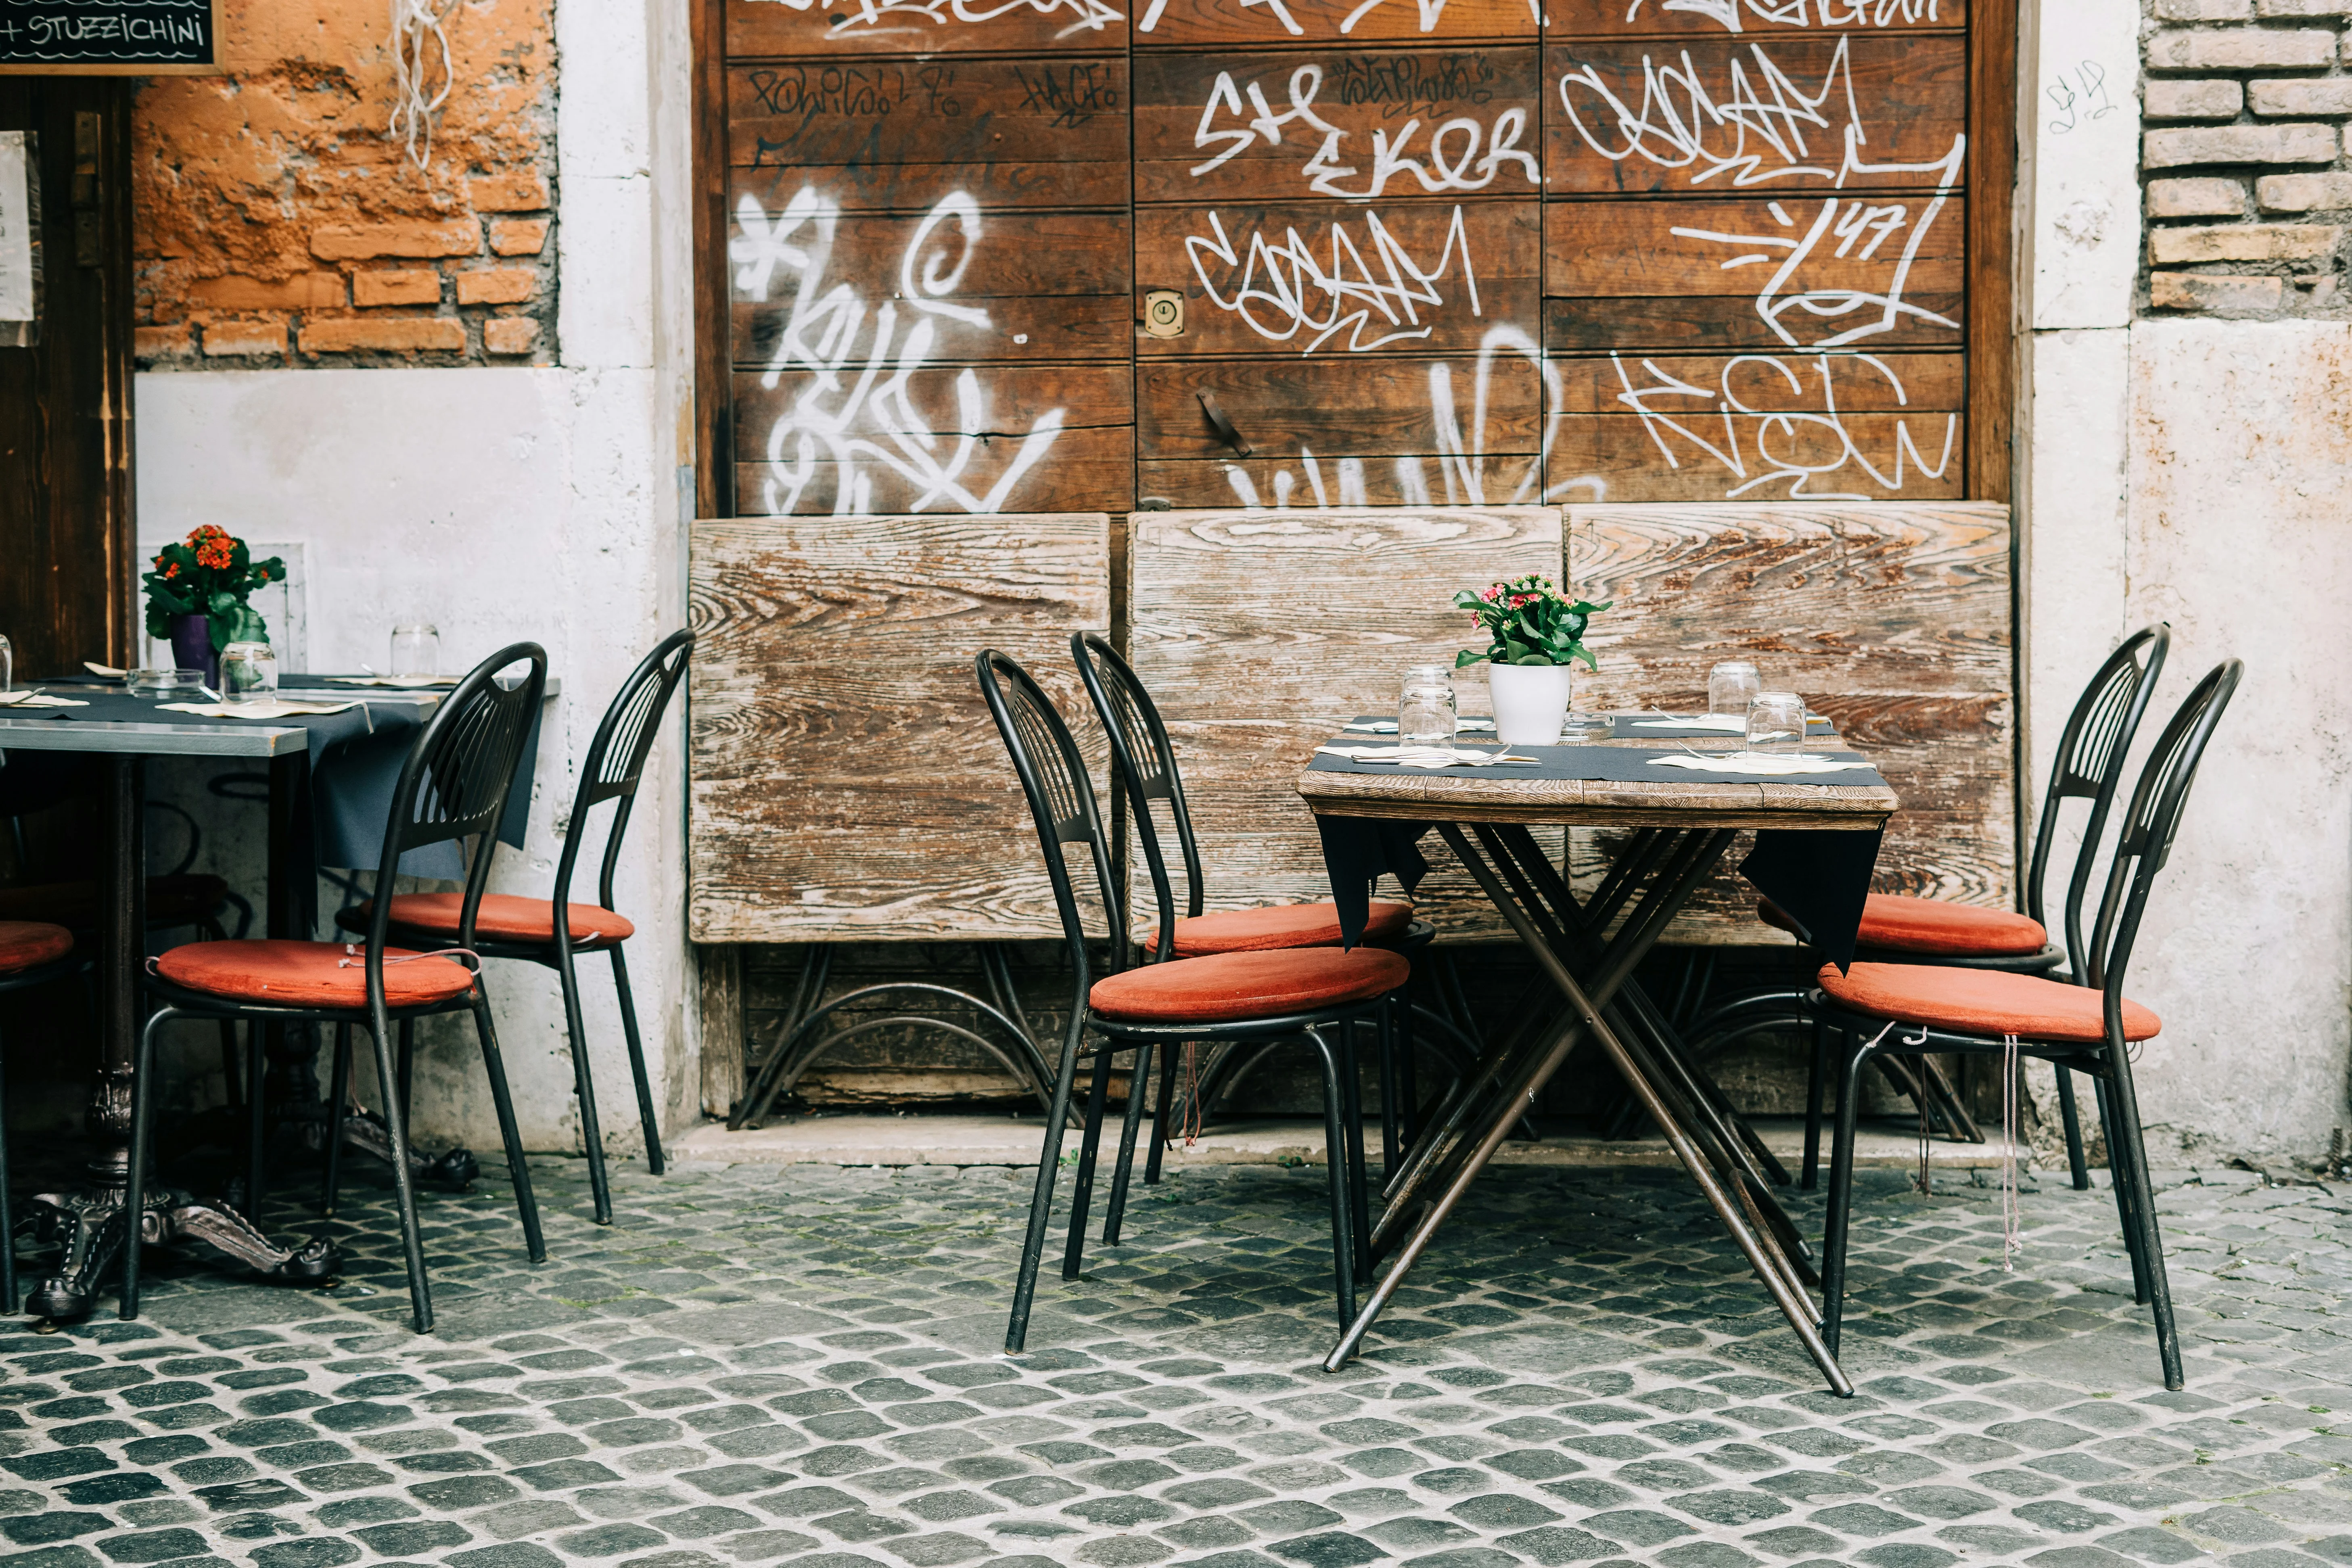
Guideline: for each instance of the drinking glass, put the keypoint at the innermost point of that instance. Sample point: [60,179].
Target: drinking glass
[416,651]
[248,672]
[1776,724]
[1730,686]
[7,665]
[1427,714]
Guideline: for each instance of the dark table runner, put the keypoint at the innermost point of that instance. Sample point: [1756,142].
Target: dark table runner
[1819,877]
[355,760]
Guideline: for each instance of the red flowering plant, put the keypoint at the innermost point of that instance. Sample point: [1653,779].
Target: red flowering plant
[211,573]
[1529,622]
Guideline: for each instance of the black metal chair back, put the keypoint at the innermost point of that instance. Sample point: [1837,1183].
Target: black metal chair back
[455,785]
[1139,749]
[2143,842]
[1062,802]
[616,761]
[2090,766]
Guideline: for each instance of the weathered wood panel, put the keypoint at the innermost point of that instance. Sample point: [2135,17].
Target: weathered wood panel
[903,133]
[1894,620]
[1721,323]
[1259,633]
[1753,19]
[1354,124]
[1338,279]
[796,29]
[846,780]
[1221,24]
[1744,113]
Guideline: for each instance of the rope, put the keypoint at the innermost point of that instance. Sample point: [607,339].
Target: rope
[415,33]
[1192,1126]
[1927,1183]
[2011,1213]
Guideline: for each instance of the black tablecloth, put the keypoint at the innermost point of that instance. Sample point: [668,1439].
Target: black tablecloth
[1819,878]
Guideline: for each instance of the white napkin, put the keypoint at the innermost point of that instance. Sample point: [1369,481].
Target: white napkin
[1388,726]
[106,672]
[37,699]
[1704,723]
[401,682]
[1420,756]
[274,710]
[1734,762]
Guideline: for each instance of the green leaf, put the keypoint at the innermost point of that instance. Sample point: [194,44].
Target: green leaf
[1465,658]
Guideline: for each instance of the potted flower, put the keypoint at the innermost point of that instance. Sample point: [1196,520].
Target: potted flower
[197,597]
[1536,636]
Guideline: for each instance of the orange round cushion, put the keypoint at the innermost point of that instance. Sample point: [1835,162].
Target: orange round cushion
[1225,987]
[1278,926]
[29,944]
[507,917]
[309,974]
[1898,924]
[1983,1002]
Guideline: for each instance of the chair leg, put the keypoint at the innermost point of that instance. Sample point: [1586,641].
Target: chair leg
[647,1116]
[1834,1228]
[1408,1054]
[256,1065]
[1137,1077]
[2125,1194]
[583,1087]
[1392,1136]
[1351,1122]
[1818,1070]
[494,1066]
[339,1093]
[396,1122]
[2072,1121]
[2167,1336]
[1040,1202]
[231,1073]
[134,1193]
[1082,1188]
[1334,1165]
[9,1298]
[406,1067]
[1160,1105]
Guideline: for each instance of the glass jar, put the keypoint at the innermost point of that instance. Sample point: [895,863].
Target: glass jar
[248,672]
[1776,724]
[416,653]
[7,665]
[1730,687]
[1427,711]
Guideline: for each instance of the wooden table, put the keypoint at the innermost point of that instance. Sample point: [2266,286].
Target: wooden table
[1588,948]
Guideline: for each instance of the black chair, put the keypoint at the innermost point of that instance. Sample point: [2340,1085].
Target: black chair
[1316,993]
[454,785]
[31,954]
[2088,1028]
[1146,760]
[508,925]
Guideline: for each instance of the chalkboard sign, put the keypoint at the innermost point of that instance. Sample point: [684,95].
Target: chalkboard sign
[109,38]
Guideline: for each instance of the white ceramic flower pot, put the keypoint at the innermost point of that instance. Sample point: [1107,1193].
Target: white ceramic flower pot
[1530,702]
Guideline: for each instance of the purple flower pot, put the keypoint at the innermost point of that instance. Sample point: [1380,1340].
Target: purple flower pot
[192,646]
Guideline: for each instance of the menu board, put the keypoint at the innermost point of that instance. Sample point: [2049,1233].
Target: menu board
[109,38]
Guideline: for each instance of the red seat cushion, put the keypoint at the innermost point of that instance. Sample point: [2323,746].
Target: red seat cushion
[1228,986]
[309,974]
[1982,1002]
[1897,924]
[175,900]
[503,917]
[1279,926]
[29,944]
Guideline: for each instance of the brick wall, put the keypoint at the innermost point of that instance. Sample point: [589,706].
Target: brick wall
[275,225]
[2245,156]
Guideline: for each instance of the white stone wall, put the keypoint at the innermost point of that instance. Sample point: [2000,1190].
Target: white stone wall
[544,504]
[2194,471]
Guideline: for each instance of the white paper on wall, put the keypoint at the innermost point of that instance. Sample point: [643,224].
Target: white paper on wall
[15,229]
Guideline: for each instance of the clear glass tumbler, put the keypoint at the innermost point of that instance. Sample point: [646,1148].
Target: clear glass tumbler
[416,652]
[7,665]
[1776,724]
[1427,713]
[1730,687]
[248,672]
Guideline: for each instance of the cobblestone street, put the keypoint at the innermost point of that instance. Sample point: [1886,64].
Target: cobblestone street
[800,1365]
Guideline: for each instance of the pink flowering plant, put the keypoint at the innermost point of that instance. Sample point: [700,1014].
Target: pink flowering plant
[1529,622]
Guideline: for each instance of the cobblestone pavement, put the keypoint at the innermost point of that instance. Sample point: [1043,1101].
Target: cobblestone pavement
[799,1364]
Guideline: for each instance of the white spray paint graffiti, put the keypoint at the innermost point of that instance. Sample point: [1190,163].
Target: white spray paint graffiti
[871,17]
[1759,445]
[1327,171]
[1732,14]
[857,418]
[1285,289]
[1430,13]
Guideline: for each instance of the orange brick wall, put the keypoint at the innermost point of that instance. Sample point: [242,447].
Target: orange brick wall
[275,225]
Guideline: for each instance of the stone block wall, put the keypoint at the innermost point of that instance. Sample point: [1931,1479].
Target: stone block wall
[277,226]
[2247,156]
